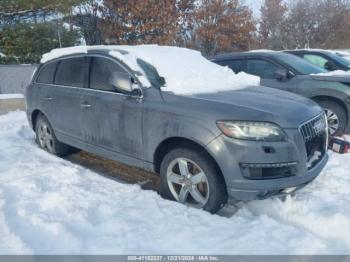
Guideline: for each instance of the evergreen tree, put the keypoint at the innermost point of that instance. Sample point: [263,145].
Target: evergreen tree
[26,43]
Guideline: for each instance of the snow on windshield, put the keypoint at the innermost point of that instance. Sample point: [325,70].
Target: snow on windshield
[185,71]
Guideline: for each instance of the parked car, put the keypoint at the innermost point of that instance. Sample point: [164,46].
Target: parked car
[173,112]
[323,58]
[291,73]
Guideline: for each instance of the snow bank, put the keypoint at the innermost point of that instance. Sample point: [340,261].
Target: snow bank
[11,96]
[185,71]
[52,206]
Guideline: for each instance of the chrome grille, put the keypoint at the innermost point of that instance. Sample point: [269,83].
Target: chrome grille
[313,127]
[315,133]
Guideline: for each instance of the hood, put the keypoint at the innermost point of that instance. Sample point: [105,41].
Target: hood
[344,78]
[267,104]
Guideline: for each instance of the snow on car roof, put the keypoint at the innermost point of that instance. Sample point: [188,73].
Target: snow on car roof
[186,71]
[262,51]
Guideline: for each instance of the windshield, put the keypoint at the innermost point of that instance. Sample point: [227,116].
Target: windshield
[301,66]
[339,59]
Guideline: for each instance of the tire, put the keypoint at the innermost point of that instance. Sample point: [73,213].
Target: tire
[46,139]
[212,188]
[336,116]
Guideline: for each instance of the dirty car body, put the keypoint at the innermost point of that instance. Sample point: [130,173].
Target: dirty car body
[141,126]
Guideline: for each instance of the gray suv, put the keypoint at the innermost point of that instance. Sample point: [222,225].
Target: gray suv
[209,148]
[291,73]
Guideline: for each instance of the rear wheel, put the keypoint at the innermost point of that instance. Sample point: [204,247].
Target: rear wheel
[46,139]
[190,177]
[336,117]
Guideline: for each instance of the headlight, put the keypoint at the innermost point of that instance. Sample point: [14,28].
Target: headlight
[258,131]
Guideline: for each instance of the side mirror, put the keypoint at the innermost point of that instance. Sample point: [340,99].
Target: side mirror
[162,81]
[123,83]
[136,93]
[330,66]
[281,74]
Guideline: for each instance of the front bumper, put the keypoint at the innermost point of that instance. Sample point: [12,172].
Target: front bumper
[232,155]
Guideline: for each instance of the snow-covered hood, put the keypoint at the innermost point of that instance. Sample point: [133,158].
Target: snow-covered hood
[185,71]
[269,104]
[333,76]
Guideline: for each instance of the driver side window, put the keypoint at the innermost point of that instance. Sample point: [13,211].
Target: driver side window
[316,60]
[262,68]
[107,75]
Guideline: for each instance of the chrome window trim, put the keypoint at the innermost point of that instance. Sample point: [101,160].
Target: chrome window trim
[87,89]
[115,60]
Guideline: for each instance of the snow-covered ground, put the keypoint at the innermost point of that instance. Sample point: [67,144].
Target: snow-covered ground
[51,206]
[11,96]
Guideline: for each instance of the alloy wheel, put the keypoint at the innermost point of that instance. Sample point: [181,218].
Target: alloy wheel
[45,137]
[188,183]
[333,121]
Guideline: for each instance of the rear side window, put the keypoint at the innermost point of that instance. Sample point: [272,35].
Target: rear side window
[236,65]
[47,73]
[71,72]
[106,74]
[262,68]
[316,60]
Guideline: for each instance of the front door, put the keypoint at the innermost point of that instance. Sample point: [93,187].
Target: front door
[266,71]
[110,117]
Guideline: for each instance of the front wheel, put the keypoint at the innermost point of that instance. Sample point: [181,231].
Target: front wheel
[189,177]
[336,117]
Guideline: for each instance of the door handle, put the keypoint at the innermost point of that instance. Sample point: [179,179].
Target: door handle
[85,105]
[48,98]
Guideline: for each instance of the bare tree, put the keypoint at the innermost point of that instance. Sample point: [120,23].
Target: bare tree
[140,21]
[87,17]
[317,23]
[272,24]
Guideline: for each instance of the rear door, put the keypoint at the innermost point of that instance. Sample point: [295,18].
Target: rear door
[111,118]
[70,79]
[45,89]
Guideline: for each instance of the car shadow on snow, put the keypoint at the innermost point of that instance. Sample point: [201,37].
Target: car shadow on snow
[130,175]
[116,171]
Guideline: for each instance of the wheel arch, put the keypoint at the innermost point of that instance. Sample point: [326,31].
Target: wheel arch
[34,116]
[333,99]
[174,142]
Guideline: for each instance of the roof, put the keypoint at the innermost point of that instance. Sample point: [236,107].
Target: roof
[308,50]
[253,53]
[61,52]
